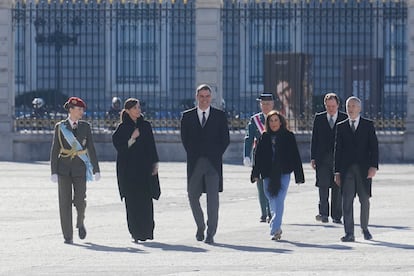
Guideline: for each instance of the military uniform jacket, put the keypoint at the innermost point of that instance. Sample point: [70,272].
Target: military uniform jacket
[72,166]
[252,134]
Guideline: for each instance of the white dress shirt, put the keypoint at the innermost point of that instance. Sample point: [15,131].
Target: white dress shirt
[200,114]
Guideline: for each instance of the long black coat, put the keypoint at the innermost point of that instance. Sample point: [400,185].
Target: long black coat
[134,164]
[210,142]
[360,148]
[287,158]
[323,141]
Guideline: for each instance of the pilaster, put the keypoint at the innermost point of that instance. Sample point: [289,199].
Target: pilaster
[209,50]
[408,148]
[6,80]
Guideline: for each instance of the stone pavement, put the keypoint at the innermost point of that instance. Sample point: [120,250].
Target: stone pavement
[32,243]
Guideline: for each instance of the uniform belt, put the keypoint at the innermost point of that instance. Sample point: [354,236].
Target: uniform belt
[72,153]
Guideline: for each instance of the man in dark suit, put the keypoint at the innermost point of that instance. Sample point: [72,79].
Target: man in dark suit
[205,136]
[322,148]
[356,163]
[73,162]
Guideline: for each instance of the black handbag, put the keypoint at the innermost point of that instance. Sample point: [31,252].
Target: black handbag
[155,187]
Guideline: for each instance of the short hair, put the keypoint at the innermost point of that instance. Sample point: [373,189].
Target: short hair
[282,119]
[355,99]
[330,96]
[203,86]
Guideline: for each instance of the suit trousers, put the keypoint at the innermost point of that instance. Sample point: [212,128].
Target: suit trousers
[65,184]
[325,183]
[354,184]
[204,178]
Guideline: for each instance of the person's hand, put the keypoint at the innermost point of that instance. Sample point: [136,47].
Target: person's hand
[155,169]
[372,171]
[54,178]
[313,164]
[338,179]
[135,134]
[247,162]
[97,176]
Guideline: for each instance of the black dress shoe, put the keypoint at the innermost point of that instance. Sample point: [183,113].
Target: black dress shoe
[348,238]
[82,232]
[367,234]
[337,221]
[209,239]
[200,235]
[68,241]
[262,219]
[322,218]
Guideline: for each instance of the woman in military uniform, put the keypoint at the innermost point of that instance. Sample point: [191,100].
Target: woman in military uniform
[73,162]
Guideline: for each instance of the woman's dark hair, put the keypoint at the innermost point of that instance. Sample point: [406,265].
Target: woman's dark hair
[129,103]
[282,119]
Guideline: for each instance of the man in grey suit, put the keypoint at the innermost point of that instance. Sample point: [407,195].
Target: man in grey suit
[205,137]
[73,162]
[322,148]
[356,163]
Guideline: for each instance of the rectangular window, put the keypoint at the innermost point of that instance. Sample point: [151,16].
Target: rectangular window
[137,53]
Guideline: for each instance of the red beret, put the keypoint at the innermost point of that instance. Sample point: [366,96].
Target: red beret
[74,101]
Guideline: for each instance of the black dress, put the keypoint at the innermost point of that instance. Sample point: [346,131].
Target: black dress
[134,167]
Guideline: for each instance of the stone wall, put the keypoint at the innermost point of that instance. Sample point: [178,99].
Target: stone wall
[35,147]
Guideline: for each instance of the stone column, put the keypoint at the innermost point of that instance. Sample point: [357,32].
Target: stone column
[209,51]
[408,148]
[6,80]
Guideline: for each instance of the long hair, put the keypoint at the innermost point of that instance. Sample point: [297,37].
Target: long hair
[282,119]
[129,103]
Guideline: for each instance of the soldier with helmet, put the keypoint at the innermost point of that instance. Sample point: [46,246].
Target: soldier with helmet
[39,108]
[115,111]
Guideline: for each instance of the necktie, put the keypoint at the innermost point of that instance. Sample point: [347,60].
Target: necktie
[74,128]
[331,122]
[203,120]
[353,125]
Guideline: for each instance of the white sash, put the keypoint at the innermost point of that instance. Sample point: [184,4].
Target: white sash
[71,139]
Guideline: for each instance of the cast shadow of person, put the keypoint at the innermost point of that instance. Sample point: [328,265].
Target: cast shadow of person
[249,248]
[173,247]
[105,248]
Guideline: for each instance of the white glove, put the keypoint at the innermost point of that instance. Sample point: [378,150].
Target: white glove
[97,176]
[54,178]
[247,162]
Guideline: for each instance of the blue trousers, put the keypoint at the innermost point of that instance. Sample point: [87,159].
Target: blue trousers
[277,203]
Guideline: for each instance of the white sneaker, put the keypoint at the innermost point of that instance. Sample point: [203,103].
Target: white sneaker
[277,236]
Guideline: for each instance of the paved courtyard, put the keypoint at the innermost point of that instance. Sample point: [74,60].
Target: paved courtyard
[32,243]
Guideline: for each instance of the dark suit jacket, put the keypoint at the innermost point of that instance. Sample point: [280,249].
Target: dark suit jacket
[67,166]
[359,148]
[323,141]
[323,137]
[210,142]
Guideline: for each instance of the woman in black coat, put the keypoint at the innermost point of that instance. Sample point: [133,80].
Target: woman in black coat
[137,168]
[276,157]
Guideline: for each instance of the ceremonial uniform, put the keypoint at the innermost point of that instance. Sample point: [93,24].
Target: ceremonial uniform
[73,162]
[254,130]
